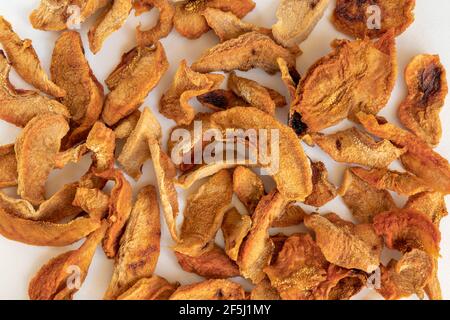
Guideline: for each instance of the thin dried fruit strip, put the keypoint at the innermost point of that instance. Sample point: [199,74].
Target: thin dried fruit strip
[430,203]
[92,201]
[163,26]
[323,190]
[125,127]
[25,61]
[204,214]
[297,19]
[139,245]
[36,148]
[235,228]
[248,187]
[52,280]
[289,76]
[334,89]
[153,288]
[102,142]
[187,84]
[358,18]
[293,215]
[355,146]
[425,78]
[250,50]
[219,289]
[220,99]
[111,20]
[186,180]
[8,166]
[138,73]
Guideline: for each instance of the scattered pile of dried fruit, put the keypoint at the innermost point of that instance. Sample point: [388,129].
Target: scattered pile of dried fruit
[354,81]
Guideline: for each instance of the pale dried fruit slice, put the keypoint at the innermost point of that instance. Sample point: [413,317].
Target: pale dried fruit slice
[102,142]
[250,50]
[354,17]
[25,61]
[248,187]
[72,155]
[163,26]
[425,78]
[430,203]
[52,282]
[297,19]
[188,179]
[138,73]
[125,127]
[154,288]
[8,166]
[36,148]
[293,215]
[111,20]
[323,190]
[92,201]
[355,146]
[289,76]
[139,245]
[187,84]
[219,289]
[235,228]
[204,214]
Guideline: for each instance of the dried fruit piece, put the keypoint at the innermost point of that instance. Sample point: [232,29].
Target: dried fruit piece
[20,106]
[8,166]
[406,229]
[138,73]
[264,291]
[355,146]
[293,215]
[334,89]
[102,142]
[214,264]
[235,228]
[187,84]
[256,250]
[344,244]
[162,28]
[364,200]
[36,148]
[323,190]
[219,289]
[297,19]
[72,155]
[139,245]
[248,187]
[430,203]
[154,288]
[126,126]
[187,180]
[403,183]
[111,20]
[189,21]
[92,201]
[290,76]
[25,61]
[52,283]
[220,99]
[204,213]
[433,287]
[425,78]
[354,17]
[250,50]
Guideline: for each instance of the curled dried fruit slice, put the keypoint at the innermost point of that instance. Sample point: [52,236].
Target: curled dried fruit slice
[293,215]
[427,88]
[102,142]
[125,127]
[250,50]
[138,73]
[323,190]
[139,245]
[20,106]
[204,213]
[187,180]
[420,159]
[409,275]
[248,187]
[430,203]
[297,19]
[264,291]
[220,99]
[219,289]
[214,264]
[354,17]
[406,229]
[256,251]
[334,89]
[154,288]
[25,60]
[52,283]
[344,244]
[187,84]
[72,155]
[111,20]
[164,25]
[364,200]
[235,228]
[355,146]
[8,166]
[36,148]
[290,77]
[92,201]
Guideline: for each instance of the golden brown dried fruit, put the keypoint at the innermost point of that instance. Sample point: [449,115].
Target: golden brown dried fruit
[264,291]
[248,187]
[344,244]
[189,21]
[52,280]
[364,200]
[154,288]
[162,28]
[433,287]
[139,72]
[355,146]
[250,50]
[235,228]
[293,215]
[125,127]
[219,289]
[188,179]
[323,190]
[72,155]
[406,229]
[297,19]
[25,61]
[8,166]
[425,78]
[139,245]
[334,89]
[92,201]
[102,142]
[187,84]
[430,203]
[111,20]
[220,99]
[354,17]
[36,148]
[290,76]
[204,213]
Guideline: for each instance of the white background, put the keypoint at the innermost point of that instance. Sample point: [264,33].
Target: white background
[19,262]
